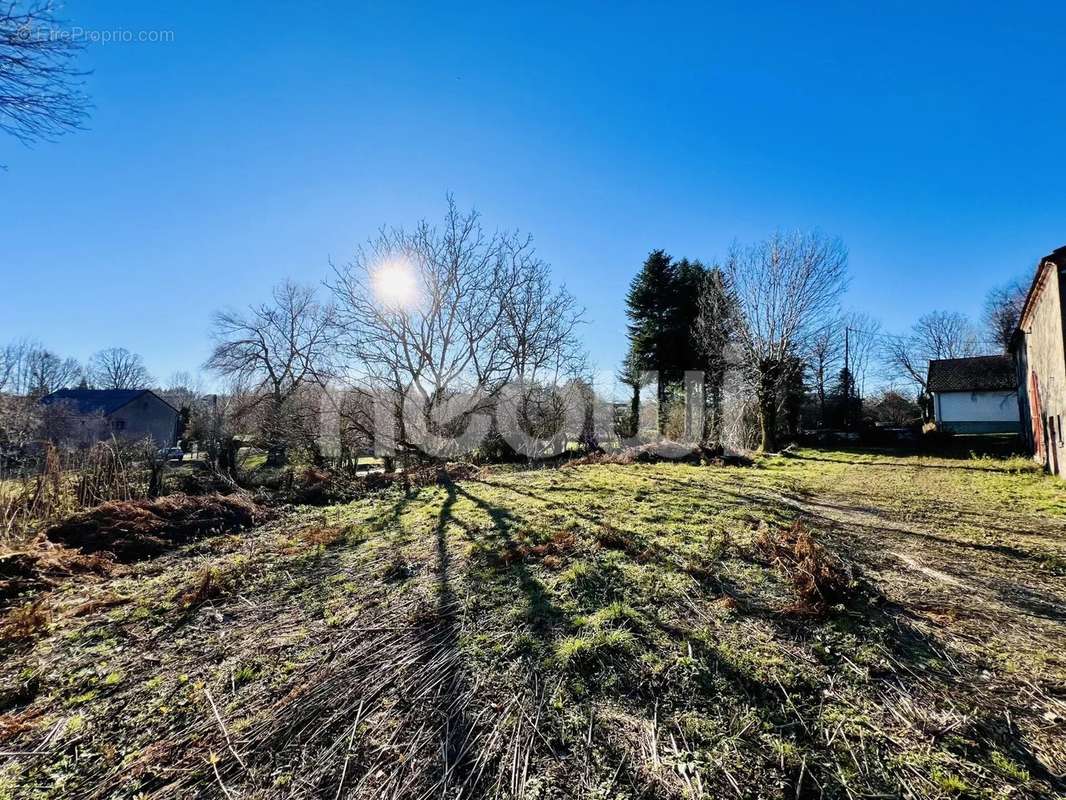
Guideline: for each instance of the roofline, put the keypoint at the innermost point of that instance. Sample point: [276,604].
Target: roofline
[1056,258]
[972,389]
[976,386]
[141,394]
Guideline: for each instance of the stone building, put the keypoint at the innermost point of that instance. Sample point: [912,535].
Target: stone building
[1040,360]
[124,413]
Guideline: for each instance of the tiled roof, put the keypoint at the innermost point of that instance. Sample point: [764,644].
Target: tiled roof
[91,401]
[980,373]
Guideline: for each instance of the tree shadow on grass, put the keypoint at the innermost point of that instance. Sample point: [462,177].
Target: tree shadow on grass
[541,613]
[919,679]
[1012,592]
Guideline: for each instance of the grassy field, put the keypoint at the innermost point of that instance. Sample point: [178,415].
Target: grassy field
[595,631]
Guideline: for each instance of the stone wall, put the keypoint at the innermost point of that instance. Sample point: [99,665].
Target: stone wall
[1041,354]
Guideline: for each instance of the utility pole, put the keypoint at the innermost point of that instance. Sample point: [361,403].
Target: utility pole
[847,379]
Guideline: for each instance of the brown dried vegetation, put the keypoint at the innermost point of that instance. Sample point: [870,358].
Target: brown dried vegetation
[819,578]
[140,529]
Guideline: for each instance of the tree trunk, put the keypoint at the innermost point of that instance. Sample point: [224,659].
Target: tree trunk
[277,455]
[634,412]
[713,420]
[821,396]
[226,457]
[661,394]
[767,426]
[275,432]
[769,380]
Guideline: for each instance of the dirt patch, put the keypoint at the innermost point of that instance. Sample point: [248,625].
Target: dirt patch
[929,572]
[142,529]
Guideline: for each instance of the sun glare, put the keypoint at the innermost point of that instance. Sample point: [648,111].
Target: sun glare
[395,284]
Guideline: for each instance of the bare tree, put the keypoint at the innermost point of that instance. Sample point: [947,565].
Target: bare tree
[787,287]
[117,368]
[27,373]
[939,334]
[182,389]
[864,347]
[49,372]
[893,407]
[274,352]
[824,354]
[40,95]
[541,344]
[1003,309]
[436,313]
[10,357]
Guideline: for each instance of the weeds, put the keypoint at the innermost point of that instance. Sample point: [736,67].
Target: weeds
[819,578]
[25,621]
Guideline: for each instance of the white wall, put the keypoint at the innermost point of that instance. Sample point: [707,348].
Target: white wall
[976,407]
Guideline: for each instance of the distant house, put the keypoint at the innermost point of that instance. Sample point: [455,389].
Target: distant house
[974,395]
[1040,358]
[124,413]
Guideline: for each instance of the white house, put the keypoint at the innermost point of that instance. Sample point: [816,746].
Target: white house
[975,395]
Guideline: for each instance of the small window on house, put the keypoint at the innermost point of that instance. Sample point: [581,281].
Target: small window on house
[120,424]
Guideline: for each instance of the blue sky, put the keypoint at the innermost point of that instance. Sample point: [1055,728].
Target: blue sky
[259,144]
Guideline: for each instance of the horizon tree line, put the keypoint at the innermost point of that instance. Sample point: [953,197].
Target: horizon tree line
[485,314]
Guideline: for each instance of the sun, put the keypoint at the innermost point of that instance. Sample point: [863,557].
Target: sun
[395,284]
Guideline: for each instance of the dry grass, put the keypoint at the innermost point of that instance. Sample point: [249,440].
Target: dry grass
[46,565]
[23,622]
[597,632]
[819,578]
[323,536]
[552,553]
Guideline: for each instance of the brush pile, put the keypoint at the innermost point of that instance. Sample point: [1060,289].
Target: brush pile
[665,451]
[819,578]
[45,567]
[138,529]
[315,486]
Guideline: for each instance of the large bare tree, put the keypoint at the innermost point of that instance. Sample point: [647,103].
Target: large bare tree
[117,368]
[28,372]
[936,335]
[40,85]
[824,356]
[1003,309]
[28,369]
[274,352]
[442,312]
[786,287]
